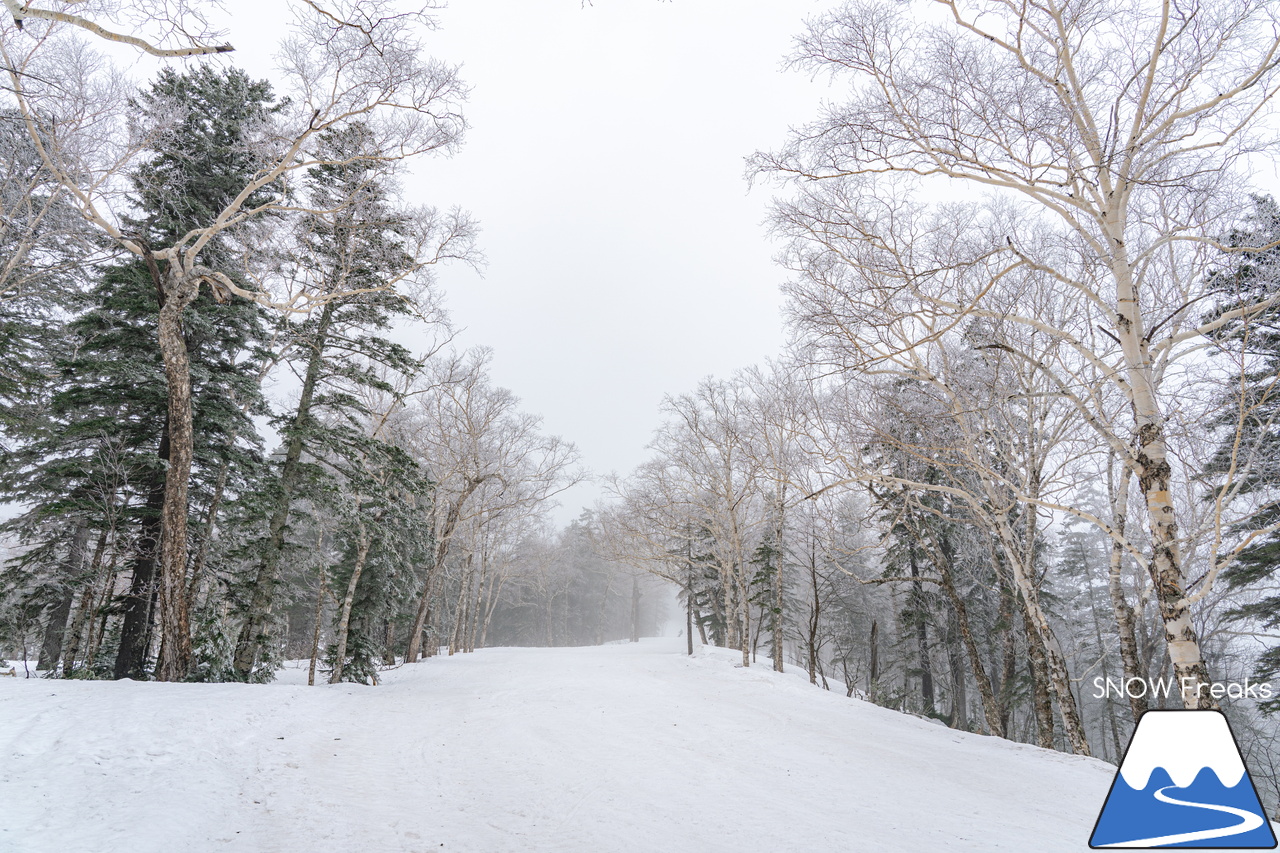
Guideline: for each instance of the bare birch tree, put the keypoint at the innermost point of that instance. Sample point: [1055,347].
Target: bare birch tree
[1120,130]
[164,28]
[777,421]
[344,62]
[484,457]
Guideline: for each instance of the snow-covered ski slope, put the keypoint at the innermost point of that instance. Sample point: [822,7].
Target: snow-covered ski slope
[610,749]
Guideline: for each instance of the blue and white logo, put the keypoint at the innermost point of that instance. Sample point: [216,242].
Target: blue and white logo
[1182,783]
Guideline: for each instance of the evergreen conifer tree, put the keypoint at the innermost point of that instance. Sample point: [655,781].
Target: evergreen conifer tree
[338,351]
[111,400]
[1251,415]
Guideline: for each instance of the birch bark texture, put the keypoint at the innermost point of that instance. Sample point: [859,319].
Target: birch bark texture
[342,62]
[1108,141]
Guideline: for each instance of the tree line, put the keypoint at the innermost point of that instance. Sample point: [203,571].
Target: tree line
[1022,437]
[1023,434]
[235,425]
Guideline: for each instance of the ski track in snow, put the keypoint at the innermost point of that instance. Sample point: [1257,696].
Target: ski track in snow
[609,749]
[1249,822]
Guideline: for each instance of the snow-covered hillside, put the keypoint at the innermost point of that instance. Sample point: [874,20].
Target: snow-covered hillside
[608,749]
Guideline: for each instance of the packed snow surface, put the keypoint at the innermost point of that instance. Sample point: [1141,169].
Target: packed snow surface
[599,750]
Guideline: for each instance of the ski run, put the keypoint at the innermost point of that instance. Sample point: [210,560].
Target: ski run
[608,749]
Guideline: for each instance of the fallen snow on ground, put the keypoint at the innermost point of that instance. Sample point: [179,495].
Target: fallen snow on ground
[600,750]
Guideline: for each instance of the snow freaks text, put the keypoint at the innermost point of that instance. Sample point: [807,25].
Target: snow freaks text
[1161,688]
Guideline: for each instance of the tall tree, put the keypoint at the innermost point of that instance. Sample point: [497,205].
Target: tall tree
[342,63]
[1247,461]
[120,370]
[354,241]
[1085,144]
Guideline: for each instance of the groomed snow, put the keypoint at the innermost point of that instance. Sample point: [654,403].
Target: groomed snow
[600,750]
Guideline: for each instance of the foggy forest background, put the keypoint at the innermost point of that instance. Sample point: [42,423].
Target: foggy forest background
[1022,437]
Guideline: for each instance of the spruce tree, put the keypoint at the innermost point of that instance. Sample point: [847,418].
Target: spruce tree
[112,398]
[1251,415]
[45,251]
[339,349]
[385,533]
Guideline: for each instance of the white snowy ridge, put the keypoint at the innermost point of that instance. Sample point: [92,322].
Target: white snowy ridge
[1183,743]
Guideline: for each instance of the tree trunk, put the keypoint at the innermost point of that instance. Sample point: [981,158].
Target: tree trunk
[1056,667]
[732,612]
[874,675]
[420,618]
[1022,567]
[942,559]
[483,582]
[175,624]
[990,708]
[495,590]
[79,625]
[815,610]
[249,644]
[104,613]
[779,531]
[344,619]
[1009,665]
[959,685]
[54,630]
[1120,607]
[210,525]
[441,552]
[718,622]
[1151,465]
[635,609]
[139,601]
[459,610]
[388,642]
[315,632]
[922,634]
[688,613]
[778,646]
[1042,699]
[87,596]
[761,610]
[700,624]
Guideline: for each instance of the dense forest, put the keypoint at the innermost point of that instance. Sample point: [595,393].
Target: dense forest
[236,427]
[1022,440]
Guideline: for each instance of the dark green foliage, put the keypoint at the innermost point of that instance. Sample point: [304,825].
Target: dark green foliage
[352,249]
[100,453]
[44,246]
[210,118]
[1251,414]
[394,489]
[212,647]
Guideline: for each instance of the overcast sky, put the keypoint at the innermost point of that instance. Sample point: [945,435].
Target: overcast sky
[605,160]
